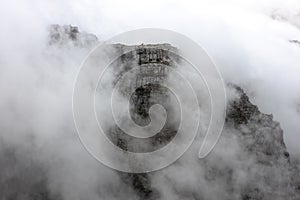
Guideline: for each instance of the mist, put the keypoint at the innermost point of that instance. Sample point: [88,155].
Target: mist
[249,41]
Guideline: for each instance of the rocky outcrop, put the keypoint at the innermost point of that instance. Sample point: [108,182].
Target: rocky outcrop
[268,171]
[67,34]
[264,135]
[257,165]
[271,174]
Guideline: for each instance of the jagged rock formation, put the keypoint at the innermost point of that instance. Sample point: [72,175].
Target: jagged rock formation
[270,174]
[260,169]
[152,62]
[266,134]
[67,34]
[261,138]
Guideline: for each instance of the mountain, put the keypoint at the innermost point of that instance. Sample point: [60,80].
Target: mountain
[249,162]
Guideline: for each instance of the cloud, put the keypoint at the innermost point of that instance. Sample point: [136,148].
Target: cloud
[248,40]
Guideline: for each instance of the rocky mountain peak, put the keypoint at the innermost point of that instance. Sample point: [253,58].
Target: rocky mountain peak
[70,35]
[250,161]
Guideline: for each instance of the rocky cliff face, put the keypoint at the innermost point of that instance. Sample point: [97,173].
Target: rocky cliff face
[260,149]
[250,162]
[270,174]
